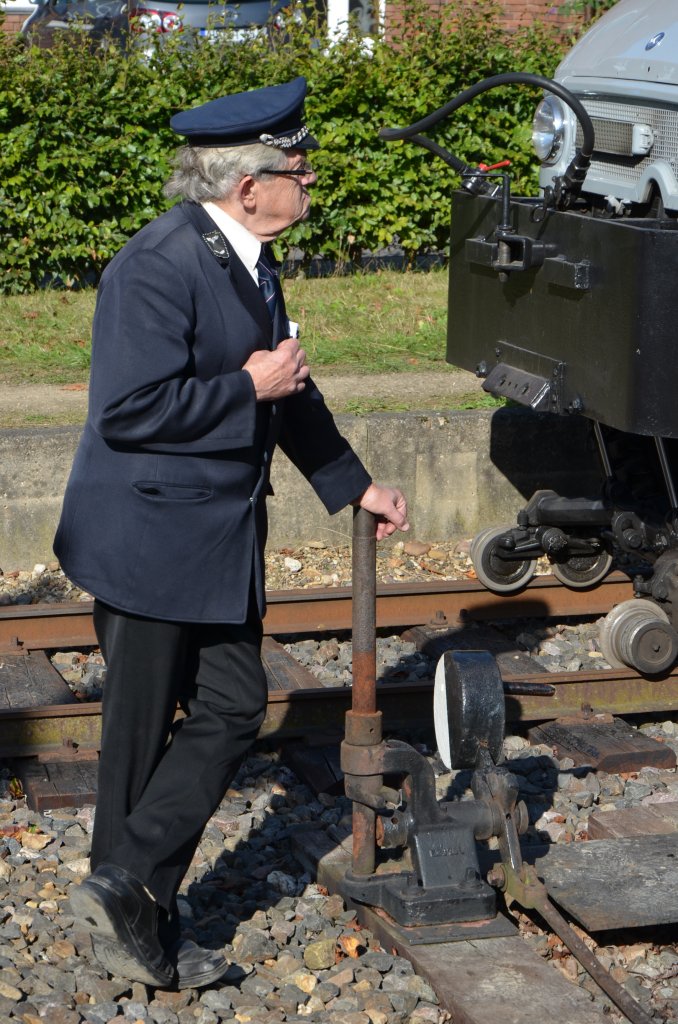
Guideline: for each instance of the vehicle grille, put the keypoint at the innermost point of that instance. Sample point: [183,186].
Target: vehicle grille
[613,124]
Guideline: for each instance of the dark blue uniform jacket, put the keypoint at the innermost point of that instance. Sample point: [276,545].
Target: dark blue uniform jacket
[165,511]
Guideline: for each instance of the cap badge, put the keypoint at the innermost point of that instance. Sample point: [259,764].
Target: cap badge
[285,141]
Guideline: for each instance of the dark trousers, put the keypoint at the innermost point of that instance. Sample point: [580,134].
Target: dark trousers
[160,783]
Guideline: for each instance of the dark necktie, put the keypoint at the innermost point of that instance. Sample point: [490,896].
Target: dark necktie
[268,283]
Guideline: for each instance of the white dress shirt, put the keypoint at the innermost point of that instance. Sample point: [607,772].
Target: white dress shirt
[246,245]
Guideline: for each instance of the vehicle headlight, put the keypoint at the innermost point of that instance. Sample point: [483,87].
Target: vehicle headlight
[548,129]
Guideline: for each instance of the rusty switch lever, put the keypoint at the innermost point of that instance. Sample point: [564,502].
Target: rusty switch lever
[363,721]
[519,882]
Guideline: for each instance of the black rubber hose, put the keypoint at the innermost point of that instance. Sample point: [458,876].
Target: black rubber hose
[509,78]
[574,174]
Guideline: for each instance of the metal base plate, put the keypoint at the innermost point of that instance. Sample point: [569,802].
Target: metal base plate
[498,979]
[428,934]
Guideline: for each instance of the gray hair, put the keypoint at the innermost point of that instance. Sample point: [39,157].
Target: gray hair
[207,173]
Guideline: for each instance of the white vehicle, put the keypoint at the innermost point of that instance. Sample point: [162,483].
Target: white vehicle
[625,72]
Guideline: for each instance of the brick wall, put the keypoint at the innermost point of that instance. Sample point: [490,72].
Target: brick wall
[514,13]
[15,12]
[522,12]
[13,23]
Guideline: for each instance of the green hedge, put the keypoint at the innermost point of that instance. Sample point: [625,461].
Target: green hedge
[86,145]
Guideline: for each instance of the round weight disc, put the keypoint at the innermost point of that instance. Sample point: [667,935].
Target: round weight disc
[468,708]
[499,574]
[581,571]
[637,634]
[652,647]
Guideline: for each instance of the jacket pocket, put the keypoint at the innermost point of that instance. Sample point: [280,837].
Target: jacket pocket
[156,490]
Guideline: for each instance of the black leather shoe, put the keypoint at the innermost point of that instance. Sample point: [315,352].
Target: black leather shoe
[195,966]
[123,918]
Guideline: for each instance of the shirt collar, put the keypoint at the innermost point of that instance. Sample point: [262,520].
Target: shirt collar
[246,245]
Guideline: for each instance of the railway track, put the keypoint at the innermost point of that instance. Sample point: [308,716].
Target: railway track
[328,609]
[435,617]
[433,614]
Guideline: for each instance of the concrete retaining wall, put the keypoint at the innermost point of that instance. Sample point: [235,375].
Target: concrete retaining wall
[461,471]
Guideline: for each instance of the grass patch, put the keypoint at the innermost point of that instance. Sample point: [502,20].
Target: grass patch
[384,322]
[479,401]
[45,337]
[366,323]
[379,322]
[422,403]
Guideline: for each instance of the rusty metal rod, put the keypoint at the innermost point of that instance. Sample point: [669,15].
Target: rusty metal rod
[364,840]
[616,992]
[364,698]
[364,613]
[521,883]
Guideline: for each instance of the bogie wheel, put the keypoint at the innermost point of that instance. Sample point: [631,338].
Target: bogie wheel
[581,571]
[501,575]
[479,540]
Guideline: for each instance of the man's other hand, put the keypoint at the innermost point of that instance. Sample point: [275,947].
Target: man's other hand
[389,505]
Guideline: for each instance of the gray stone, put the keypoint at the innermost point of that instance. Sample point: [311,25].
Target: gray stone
[100,1013]
[135,1011]
[403,1001]
[381,962]
[349,1002]
[291,996]
[326,991]
[421,989]
[254,945]
[368,974]
[219,999]
[257,986]
[162,1015]
[199,1015]
[636,790]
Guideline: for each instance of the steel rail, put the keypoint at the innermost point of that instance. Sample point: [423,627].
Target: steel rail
[329,609]
[49,730]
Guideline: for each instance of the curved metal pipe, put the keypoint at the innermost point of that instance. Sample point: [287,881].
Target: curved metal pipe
[509,78]
[574,174]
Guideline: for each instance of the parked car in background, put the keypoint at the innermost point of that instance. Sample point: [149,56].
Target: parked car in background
[144,21]
[96,19]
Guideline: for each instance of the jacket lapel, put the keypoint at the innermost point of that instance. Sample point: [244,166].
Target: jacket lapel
[243,284]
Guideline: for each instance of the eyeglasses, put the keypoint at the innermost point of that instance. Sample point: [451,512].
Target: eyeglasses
[302,172]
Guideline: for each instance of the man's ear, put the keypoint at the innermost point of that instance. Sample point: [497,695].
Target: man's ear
[247,189]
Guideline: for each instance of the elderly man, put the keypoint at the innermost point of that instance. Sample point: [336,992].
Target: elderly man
[196,377]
